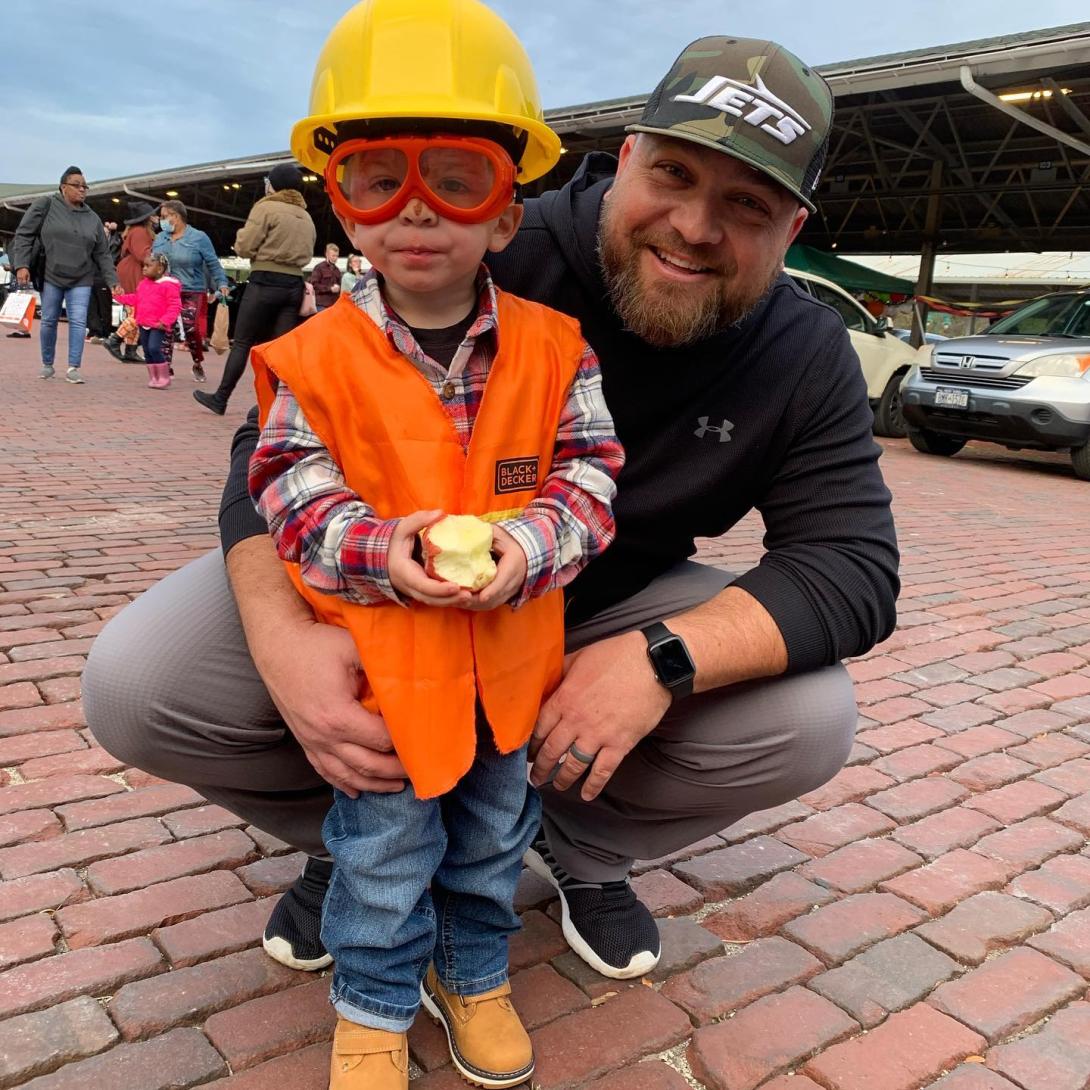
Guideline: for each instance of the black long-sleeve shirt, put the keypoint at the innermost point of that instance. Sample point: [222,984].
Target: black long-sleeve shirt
[771,414]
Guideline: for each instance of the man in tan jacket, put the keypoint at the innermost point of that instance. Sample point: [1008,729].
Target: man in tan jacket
[278,238]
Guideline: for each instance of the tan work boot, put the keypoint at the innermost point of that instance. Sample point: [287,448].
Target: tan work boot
[368,1059]
[488,1043]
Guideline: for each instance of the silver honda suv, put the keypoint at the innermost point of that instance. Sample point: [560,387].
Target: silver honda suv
[1024,382]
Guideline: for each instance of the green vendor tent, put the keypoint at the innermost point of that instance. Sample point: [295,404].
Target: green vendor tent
[847,274]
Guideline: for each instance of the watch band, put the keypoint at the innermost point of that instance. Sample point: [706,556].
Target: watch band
[670,659]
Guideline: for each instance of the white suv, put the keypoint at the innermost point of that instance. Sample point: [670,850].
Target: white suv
[884,358]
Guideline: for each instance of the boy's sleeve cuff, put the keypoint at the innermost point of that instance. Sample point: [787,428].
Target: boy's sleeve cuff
[376,559]
[528,533]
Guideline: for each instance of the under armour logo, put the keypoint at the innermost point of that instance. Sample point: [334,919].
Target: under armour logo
[723,430]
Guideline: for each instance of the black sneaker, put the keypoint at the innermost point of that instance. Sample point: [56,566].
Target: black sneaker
[604,922]
[210,401]
[293,933]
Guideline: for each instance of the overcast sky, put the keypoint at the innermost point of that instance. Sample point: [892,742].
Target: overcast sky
[136,87]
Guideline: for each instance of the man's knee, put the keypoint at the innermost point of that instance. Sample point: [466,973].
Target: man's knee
[747,748]
[817,716]
[119,692]
[167,665]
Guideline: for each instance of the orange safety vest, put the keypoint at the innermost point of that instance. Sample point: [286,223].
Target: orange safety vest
[383,424]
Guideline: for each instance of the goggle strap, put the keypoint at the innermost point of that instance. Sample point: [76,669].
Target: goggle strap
[325,140]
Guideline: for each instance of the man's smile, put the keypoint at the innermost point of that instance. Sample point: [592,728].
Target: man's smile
[677,264]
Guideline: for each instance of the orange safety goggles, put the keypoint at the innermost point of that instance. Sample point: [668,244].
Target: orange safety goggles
[462,178]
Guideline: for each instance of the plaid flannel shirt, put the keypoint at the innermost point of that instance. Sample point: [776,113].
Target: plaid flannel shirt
[334,535]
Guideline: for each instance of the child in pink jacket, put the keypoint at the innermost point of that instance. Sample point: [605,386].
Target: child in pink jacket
[158,302]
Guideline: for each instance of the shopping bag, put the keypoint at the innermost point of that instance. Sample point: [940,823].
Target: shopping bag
[128,332]
[18,309]
[219,340]
[309,305]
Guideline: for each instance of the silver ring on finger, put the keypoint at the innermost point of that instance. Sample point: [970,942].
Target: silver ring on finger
[579,755]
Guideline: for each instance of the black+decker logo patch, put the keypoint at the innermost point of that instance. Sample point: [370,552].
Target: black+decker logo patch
[516,475]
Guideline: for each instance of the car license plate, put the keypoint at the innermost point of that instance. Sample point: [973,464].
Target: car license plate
[951,399]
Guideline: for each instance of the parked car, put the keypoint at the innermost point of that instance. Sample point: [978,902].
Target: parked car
[885,360]
[1024,382]
[928,338]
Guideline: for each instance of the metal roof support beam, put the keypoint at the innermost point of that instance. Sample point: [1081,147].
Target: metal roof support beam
[943,154]
[189,207]
[1067,105]
[997,103]
[927,254]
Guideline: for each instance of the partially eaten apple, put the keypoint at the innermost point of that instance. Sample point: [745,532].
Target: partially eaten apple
[458,548]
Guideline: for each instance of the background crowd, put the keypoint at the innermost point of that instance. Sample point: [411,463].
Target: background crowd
[80,266]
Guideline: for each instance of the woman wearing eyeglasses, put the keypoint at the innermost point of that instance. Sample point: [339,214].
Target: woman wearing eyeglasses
[69,236]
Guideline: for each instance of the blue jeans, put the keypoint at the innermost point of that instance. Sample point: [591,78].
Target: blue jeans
[76,301]
[152,342]
[382,923]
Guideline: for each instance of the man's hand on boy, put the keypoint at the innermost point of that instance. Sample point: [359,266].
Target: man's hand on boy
[510,573]
[348,746]
[408,577]
[608,702]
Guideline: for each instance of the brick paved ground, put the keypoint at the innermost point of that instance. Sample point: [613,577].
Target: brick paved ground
[922,921]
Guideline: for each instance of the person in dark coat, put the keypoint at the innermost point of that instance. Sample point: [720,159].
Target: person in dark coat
[100,310]
[325,278]
[278,238]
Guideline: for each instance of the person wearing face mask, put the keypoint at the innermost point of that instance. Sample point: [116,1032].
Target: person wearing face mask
[191,256]
[278,238]
[73,241]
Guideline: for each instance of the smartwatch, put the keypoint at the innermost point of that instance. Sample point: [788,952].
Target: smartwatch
[670,659]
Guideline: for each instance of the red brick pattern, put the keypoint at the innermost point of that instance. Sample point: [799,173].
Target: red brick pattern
[905,1051]
[935,894]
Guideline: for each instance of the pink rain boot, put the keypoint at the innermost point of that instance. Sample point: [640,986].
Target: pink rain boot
[162,376]
[153,378]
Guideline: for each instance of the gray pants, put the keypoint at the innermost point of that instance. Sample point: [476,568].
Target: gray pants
[170,688]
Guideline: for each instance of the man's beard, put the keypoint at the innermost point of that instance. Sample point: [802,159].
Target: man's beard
[669,314]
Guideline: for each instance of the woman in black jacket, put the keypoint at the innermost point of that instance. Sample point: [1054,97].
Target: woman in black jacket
[72,239]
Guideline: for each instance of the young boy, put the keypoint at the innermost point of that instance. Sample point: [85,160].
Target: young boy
[429,392]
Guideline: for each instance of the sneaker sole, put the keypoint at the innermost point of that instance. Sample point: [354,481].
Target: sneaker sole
[640,964]
[75,381]
[469,1073]
[280,950]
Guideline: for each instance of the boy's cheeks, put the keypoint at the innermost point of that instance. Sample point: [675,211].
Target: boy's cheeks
[506,227]
[495,234]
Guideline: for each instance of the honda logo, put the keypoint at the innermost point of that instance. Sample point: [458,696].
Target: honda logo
[966,362]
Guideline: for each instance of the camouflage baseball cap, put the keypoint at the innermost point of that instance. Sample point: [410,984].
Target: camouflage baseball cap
[750,99]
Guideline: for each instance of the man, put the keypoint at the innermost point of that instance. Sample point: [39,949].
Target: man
[100,312]
[325,278]
[692,697]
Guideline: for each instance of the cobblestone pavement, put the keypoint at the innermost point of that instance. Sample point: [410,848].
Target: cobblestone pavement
[921,921]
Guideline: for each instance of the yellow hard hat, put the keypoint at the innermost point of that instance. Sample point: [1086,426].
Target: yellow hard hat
[423,59]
